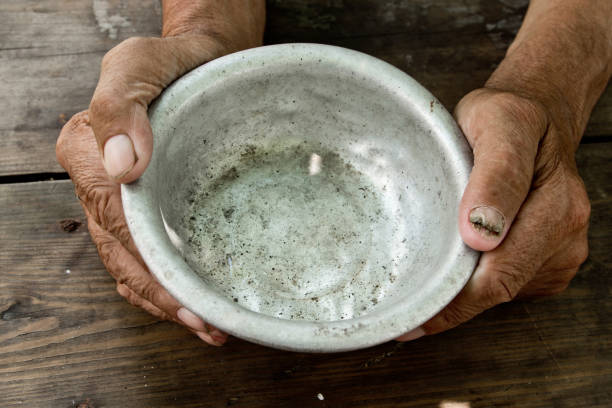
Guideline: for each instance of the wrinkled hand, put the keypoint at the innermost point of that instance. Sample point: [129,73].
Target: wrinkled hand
[101,200]
[525,205]
[112,143]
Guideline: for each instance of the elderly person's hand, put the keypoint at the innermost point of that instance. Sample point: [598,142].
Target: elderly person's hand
[525,205]
[112,142]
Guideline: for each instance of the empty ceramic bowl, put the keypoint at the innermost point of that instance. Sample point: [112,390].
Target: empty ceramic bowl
[303,197]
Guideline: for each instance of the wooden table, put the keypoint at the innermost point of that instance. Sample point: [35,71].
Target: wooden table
[67,338]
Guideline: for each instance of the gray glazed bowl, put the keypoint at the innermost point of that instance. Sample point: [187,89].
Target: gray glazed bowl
[303,197]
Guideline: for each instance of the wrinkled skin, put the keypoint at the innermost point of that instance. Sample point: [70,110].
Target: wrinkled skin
[520,151]
[133,74]
[100,198]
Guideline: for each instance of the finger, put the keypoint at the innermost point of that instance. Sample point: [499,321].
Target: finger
[207,338]
[504,132]
[412,335]
[190,319]
[122,265]
[135,300]
[502,273]
[135,282]
[132,75]
[99,195]
[206,334]
[144,304]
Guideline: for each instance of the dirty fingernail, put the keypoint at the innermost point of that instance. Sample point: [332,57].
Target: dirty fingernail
[119,156]
[208,339]
[190,319]
[412,335]
[487,221]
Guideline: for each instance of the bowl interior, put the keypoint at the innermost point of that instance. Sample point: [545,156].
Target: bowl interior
[309,183]
[306,192]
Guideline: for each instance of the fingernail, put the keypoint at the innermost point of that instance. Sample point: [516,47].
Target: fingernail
[412,335]
[190,319]
[487,221]
[218,335]
[215,333]
[208,339]
[220,340]
[119,156]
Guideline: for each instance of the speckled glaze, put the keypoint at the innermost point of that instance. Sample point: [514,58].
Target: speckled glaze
[303,197]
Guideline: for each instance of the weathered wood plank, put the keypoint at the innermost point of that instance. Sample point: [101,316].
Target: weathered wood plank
[65,338]
[50,52]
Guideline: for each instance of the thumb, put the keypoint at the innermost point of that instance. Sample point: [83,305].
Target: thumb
[504,131]
[132,75]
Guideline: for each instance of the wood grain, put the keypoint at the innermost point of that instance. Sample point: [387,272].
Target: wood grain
[50,53]
[68,337]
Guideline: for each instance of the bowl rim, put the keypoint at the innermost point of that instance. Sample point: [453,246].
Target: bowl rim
[145,220]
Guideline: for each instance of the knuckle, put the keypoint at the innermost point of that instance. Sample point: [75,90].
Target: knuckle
[454,316]
[128,295]
[107,249]
[77,123]
[100,199]
[127,47]
[578,254]
[106,105]
[121,231]
[145,288]
[120,66]
[97,197]
[521,110]
[162,315]
[575,209]
[149,292]
[581,208]
[570,208]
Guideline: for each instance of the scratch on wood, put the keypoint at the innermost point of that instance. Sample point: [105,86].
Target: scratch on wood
[541,338]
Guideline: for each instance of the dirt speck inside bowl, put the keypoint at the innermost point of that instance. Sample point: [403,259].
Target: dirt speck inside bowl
[294,233]
[305,193]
